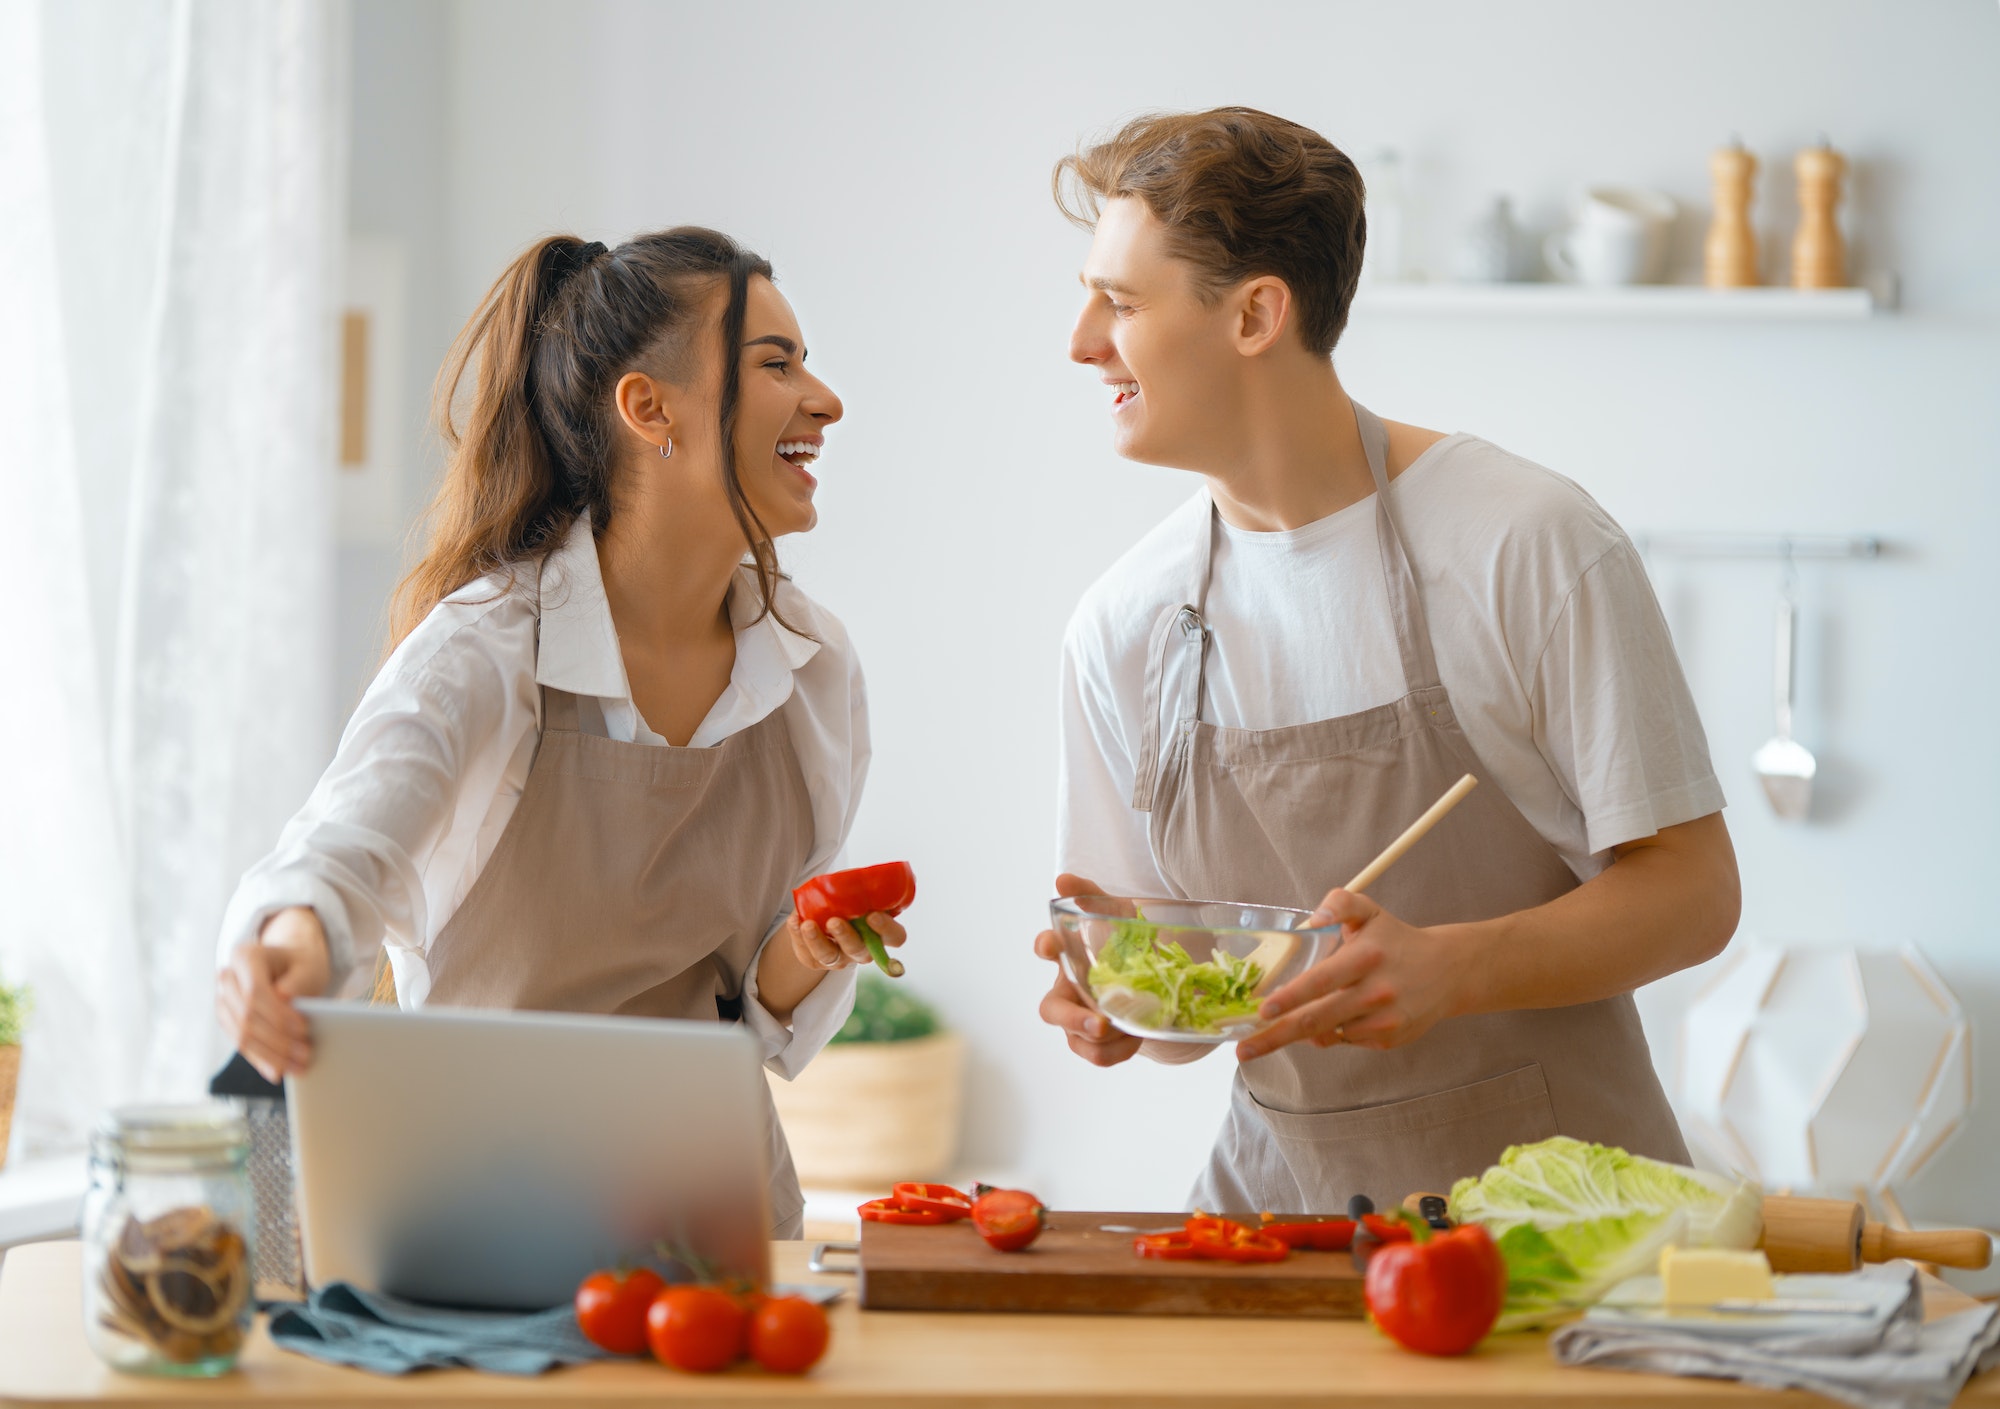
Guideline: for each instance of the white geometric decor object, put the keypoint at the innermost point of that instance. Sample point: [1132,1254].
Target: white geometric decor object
[1825,1069]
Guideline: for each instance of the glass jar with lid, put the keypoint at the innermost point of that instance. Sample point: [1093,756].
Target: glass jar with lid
[167,1229]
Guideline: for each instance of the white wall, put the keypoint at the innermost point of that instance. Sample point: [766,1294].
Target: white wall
[894,160]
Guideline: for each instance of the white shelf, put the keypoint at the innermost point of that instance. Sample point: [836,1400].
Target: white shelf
[1631,301]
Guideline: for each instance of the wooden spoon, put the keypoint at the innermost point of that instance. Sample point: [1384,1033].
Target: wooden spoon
[1274,950]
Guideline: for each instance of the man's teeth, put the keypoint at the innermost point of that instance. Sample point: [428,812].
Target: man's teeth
[798,451]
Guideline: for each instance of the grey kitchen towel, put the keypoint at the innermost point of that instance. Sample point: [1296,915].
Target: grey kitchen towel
[346,1326]
[1900,1363]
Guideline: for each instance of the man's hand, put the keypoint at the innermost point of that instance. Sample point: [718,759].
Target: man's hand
[1091,1035]
[1388,983]
[1666,902]
[253,995]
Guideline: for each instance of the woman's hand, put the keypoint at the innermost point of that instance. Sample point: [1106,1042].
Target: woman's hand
[253,995]
[839,944]
[1388,983]
[1091,1035]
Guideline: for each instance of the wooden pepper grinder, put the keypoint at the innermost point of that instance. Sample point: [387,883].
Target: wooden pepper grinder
[1819,255]
[1729,255]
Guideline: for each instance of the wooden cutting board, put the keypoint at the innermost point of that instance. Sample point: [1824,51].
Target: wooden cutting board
[1077,1267]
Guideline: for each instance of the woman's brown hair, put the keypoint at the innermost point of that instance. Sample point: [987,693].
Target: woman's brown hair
[1241,193]
[551,339]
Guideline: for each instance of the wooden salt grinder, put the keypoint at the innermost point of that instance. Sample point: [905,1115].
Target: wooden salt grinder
[1833,1235]
[1819,255]
[1729,255]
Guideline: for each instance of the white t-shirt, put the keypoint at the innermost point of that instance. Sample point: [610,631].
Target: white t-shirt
[1547,635]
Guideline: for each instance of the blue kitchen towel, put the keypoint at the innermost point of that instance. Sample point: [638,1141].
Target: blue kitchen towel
[343,1325]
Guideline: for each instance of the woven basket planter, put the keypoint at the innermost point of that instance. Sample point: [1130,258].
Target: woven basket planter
[869,1113]
[10,1079]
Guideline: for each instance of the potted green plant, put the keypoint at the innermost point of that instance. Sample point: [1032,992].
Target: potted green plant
[882,1102]
[15,1002]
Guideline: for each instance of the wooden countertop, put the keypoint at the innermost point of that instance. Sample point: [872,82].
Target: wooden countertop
[908,1360]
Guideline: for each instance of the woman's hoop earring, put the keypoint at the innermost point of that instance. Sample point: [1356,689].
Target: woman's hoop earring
[667,450]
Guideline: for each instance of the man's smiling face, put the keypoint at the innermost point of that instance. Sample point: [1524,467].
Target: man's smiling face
[1164,352]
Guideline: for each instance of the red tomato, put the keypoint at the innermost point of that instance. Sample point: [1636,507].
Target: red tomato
[1439,1296]
[696,1328]
[1008,1219]
[611,1309]
[788,1334]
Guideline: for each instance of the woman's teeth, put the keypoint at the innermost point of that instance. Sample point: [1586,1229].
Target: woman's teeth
[1126,391]
[798,452]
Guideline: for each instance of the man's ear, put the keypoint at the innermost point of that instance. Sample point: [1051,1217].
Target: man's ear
[1263,309]
[643,407]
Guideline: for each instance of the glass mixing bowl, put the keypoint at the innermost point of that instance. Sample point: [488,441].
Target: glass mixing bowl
[1184,970]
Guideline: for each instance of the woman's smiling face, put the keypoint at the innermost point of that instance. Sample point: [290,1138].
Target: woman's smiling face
[781,414]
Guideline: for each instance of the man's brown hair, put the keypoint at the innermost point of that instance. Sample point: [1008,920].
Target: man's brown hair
[1241,194]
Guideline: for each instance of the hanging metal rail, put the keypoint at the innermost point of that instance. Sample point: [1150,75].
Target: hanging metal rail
[1759,545]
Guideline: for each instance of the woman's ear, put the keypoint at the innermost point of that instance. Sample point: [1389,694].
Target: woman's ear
[642,406]
[1263,313]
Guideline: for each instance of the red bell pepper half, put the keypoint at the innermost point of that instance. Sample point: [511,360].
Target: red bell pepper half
[1439,1294]
[853,896]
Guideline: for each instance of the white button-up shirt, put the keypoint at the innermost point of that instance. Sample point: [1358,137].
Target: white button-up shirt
[432,764]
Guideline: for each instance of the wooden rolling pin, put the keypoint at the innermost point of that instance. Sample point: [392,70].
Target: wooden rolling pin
[1835,1235]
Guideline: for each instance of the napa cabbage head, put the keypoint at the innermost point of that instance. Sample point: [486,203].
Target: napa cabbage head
[1574,1219]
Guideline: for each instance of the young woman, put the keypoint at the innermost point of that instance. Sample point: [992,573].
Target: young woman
[611,737]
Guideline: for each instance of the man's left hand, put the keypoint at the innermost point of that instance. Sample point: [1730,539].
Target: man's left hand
[1388,983]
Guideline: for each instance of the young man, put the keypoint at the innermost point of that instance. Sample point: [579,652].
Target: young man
[1284,674]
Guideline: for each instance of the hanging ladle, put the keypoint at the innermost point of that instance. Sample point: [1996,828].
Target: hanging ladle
[1784,765]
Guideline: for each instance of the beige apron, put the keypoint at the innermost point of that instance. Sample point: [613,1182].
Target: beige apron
[636,879]
[1284,815]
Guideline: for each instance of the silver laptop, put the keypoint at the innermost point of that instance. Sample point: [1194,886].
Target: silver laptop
[494,1159]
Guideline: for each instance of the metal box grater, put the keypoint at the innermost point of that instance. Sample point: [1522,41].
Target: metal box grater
[278,1269]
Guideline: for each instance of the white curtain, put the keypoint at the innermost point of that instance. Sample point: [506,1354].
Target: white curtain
[171,217]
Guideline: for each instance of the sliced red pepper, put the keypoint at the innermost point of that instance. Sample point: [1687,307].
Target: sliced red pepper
[1217,1239]
[1388,1230]
[853,896]
[1168,1247]
[934,1198]
[1256,1247]
[1318,1234]
[890,1211]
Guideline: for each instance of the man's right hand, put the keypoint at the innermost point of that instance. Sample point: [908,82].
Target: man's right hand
[254,993]
[1091,1035]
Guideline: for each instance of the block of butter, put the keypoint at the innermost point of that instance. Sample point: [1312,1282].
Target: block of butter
[1705,1276]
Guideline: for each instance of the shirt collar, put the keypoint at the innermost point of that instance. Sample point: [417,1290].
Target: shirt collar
[579,644]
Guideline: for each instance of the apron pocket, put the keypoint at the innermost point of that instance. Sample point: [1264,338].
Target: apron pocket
[1420,1145]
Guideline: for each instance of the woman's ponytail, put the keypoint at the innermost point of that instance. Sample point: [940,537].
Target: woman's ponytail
[501,499]
[534,450]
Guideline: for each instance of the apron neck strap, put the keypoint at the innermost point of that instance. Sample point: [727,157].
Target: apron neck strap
[1413,632]
[1186,625]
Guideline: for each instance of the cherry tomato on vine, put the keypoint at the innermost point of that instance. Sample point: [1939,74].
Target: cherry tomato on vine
[697,1328]
[611,1308]
[788,1334]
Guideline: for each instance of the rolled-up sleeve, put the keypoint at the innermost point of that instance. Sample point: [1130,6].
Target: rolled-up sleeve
[828,718]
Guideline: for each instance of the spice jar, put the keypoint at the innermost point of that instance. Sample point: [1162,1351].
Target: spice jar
[167,1228]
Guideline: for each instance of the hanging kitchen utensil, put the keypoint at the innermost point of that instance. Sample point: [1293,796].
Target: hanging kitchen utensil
[1784,765]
